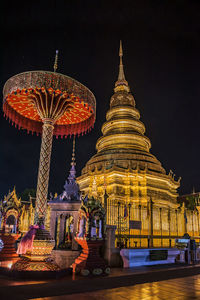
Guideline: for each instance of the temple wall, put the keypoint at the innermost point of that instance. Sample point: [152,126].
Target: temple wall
[26,219]
[129,200]
[136,188]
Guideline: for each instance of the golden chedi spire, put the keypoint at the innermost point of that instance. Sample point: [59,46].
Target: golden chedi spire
[123,148]
[122,128]
[121,83]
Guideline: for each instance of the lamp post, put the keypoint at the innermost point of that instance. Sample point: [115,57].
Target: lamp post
[169,221]
[119,225]
[161,226]
[176,222]
[129,218]
[150,243]
[140,216]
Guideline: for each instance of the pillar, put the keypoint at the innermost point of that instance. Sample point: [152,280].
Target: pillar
[61,231]
[192,222]
[74,243]
[150,241]
[53,223]
[176,212]
[43,171]
[111,254]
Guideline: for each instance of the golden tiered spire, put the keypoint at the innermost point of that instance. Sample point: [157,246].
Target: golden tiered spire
[121,83]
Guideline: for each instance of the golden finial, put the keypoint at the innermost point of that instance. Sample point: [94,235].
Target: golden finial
[73,153]
[55,62]
[193,190]
[120,49]
[121,75]
[121,83]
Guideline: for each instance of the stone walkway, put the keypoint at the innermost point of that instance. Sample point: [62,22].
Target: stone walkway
[182,288]
[158,282]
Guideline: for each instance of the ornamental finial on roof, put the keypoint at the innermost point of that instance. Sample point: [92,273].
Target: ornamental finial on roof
[121,75]
[72,172]
[71,191]
[55,62]
[73,163]
[121,83]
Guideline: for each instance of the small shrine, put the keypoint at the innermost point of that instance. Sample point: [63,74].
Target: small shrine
[10,212]
[91,236]
[64,211]
[10,215]
[17,214]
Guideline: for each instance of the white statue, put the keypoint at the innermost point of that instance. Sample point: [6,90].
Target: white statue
[93,229]
[100,229]
[81,227]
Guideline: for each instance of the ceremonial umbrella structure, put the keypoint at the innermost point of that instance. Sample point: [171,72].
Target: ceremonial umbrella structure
[46,103]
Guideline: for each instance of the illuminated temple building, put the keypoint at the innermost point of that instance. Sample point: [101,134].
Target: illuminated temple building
[130,181]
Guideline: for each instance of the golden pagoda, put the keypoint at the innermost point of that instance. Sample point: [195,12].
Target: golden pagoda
[124,167]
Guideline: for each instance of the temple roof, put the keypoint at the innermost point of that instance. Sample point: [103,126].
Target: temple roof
[71,191]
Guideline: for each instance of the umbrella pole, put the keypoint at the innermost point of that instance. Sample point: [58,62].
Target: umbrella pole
[38,253]
[43,172]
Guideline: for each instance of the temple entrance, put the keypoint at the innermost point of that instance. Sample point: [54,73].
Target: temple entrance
[63,229]
[11,224]
[66,240]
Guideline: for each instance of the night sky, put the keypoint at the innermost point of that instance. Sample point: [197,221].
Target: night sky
[161,43]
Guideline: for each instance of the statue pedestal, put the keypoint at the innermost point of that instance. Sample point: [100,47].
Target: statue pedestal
[90,262]
[8,255]
[38,258]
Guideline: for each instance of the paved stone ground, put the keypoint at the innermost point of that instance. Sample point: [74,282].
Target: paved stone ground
[174,289]
[160,282]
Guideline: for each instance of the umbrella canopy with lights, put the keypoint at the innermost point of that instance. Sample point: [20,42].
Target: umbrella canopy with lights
[51,104]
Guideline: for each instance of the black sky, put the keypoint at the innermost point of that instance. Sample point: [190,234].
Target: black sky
[161,41]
